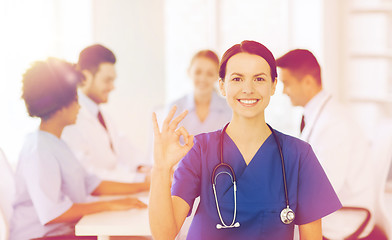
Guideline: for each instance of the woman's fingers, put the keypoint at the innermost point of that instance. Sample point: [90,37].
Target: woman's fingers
[187,138]
[182,131]
[140,204]
[169,117]
[177,120]
[155,124]
[190,141]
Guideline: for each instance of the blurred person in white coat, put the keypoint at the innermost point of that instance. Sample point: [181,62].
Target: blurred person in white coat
[337,140]
[94,138]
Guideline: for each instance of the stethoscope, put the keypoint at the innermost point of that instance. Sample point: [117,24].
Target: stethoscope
[287,215]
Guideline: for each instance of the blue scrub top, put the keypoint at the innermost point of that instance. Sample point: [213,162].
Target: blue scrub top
[260,190]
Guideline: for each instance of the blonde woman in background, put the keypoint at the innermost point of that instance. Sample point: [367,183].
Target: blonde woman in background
[208,111]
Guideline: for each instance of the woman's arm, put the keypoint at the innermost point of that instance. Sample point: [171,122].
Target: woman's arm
[167,213]
[117,188]
[311,231]
[78,210]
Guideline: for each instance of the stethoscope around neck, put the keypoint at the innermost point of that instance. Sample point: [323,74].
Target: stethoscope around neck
[287,215]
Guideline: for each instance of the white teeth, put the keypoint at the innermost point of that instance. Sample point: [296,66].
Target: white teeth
[248,101]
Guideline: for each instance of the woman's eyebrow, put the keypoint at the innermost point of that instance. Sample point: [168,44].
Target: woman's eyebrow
[238,74]
[259,74]
[241,75]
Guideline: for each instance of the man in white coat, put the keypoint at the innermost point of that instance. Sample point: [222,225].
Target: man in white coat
[94,139]
[338,142]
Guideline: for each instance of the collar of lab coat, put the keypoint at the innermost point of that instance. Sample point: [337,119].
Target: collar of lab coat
[312,107]
[88,104]
[312,110]
[215,104]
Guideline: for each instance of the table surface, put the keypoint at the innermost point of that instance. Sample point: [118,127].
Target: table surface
[132,222]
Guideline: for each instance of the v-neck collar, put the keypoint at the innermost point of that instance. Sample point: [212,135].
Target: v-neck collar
[229,142]
[233,157]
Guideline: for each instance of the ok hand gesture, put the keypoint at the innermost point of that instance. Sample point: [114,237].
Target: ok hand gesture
[168,150]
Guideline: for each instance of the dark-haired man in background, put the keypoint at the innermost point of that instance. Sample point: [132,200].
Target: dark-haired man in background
[94,138]
[338,142]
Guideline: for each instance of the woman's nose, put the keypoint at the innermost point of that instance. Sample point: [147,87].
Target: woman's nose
[248,87]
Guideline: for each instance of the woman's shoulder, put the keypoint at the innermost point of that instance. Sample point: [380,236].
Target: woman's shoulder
[291,143]
[206,138]
[38,146]
[180,102]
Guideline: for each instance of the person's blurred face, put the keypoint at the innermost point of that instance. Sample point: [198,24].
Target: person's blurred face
[247,86]
[204,74]
[98,86]
[293,87]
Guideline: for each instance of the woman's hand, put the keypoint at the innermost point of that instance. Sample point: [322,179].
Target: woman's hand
[168,150]
[125,204]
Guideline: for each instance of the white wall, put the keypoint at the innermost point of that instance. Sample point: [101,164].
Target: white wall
[347,78]
[31,31]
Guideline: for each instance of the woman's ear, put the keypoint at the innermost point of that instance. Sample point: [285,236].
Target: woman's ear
[274,86]
[222,87]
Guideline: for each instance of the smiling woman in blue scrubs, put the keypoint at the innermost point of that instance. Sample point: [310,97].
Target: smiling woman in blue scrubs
[247,80]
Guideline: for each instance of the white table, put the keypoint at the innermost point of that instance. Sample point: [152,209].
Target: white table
[132,222]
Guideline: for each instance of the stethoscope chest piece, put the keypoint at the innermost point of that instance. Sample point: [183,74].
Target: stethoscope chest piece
[287,215]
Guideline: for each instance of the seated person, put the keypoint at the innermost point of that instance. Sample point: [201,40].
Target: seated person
[94,138]
[338,142]
[53,190]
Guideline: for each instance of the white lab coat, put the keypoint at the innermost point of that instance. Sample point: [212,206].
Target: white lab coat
[343,151]
[91,143]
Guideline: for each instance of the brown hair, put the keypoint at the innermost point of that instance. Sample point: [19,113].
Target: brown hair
[49,86]
[91,57]
[251,47]
[301,62]
[206,54]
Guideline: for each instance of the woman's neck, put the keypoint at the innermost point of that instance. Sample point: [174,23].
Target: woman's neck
[52,127]
[248,129]
[202,99]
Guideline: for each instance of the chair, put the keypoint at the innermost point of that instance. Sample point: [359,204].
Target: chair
[382,158]
[7,191]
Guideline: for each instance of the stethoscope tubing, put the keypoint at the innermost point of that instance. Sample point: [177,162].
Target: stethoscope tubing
[283,167]
[284,214]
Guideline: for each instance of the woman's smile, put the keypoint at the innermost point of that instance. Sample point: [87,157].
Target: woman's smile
[248,102]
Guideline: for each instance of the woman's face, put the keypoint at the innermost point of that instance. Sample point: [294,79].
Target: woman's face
[204,74]
[247,86]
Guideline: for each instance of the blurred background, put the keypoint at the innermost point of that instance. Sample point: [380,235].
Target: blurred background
[154,41]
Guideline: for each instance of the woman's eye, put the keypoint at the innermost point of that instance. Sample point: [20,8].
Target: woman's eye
[237,79]
[260,79]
